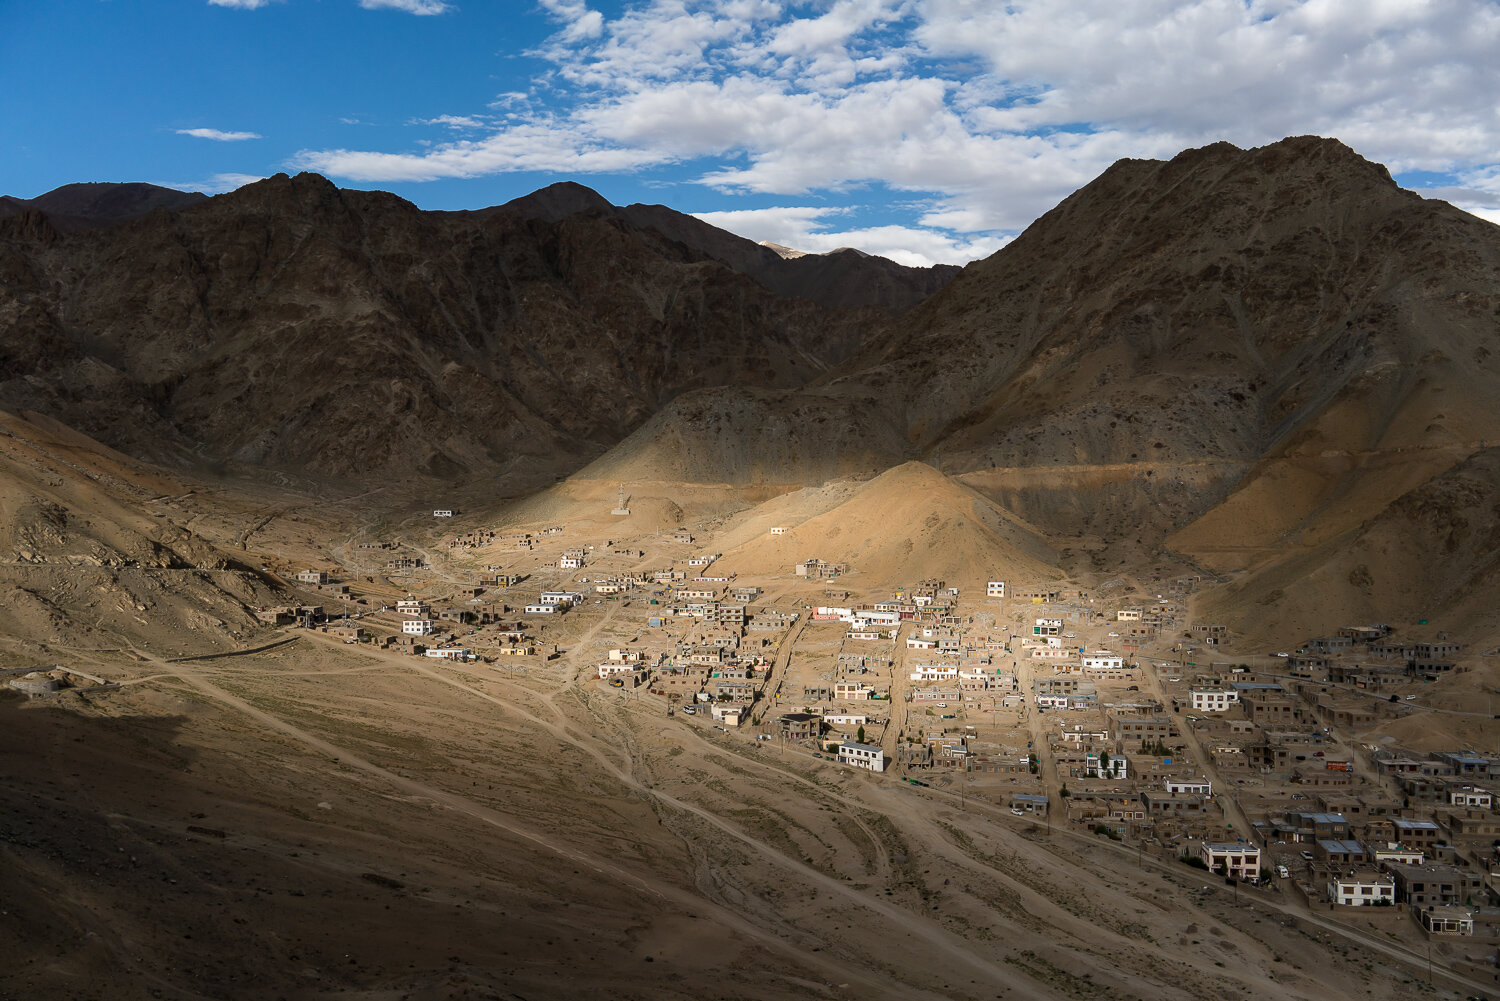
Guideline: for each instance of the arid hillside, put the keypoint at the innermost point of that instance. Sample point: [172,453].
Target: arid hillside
[294,326]
[1233,355]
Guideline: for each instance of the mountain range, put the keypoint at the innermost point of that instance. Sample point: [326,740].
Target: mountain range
[1272,365]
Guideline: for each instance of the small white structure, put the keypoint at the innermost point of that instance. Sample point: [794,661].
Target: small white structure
[417,627]
[313,577]
[1213,700]
[861,756]
[443,512]
[611,669]
[1189,787]
[845,719]
[570,563]
[995,589]
[1470,796]
[560,598]
[451,653]
[779,530]
[1110,766]
[1362,888]
[729,713]
[546,608]
[1102,660]
[1239,861]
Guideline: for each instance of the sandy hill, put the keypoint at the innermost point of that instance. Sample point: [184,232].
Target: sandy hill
[97,550]
[745,436]
[909,523]
[1430,553]
[1241,356]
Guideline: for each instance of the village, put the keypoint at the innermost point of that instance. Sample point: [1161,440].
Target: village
[1111,713]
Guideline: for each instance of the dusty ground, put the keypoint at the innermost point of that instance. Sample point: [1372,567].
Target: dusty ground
[315,820]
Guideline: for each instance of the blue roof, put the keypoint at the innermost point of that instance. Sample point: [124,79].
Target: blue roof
[1026,797]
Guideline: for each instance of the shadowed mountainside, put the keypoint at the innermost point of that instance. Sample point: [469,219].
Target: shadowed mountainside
[297,326]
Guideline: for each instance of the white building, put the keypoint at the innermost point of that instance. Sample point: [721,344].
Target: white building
[995,589]
[729,713]
[451,653]
[611,669]
[1189,787]
[570,563]
[1114,767]
[1213,700]
[845,719]
[933,672]
[546,608]
[560,598]
[779,530]
[862,756]
[1047,627]
[1102,660]
[443,512]
[313,577]
[1239,861]
[1470,796]
[1362,888]
[417,627]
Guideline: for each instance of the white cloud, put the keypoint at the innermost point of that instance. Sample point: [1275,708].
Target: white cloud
[217,184]
[455,121]
[409,6]
[990,112]
[803,227]
[241,4]
[532,147]
[218,135]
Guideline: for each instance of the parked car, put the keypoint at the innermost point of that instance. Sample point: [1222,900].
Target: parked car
[690,710]
[1307,856]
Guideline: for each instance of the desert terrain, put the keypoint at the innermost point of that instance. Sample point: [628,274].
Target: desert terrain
[1107,566]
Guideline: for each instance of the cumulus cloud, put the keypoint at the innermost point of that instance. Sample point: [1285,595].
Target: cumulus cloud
[805,228]
[217,184]
[454,121]
[218,135]
[424,7]
[533,147]
[988,113]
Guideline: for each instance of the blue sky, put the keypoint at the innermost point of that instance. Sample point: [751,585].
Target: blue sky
[926,130]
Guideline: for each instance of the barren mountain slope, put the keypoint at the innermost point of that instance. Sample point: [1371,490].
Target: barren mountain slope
[96,551]
[84,206]
[294,325]
[1432,553]
[909,523]
[844,278]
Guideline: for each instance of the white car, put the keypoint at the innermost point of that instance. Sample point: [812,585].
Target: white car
[941,705]
[690,710]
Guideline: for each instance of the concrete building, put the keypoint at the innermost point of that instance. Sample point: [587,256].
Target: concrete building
[862,756]
[1238,861]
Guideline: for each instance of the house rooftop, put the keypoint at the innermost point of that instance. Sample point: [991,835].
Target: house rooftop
[1402,824]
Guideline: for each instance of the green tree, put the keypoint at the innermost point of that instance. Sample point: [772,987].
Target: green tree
[860,736]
